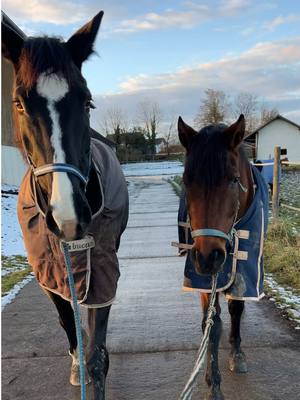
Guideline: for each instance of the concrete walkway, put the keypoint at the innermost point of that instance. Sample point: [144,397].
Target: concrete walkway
[154,328]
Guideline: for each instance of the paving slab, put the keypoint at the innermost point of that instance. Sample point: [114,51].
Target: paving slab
[154,328]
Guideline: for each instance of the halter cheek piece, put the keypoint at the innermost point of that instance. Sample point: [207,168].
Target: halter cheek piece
[216,232]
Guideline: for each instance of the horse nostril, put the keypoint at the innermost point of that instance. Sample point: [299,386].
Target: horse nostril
[217,258]
[210,264]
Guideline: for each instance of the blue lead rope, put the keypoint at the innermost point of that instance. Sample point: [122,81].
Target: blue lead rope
[76,310]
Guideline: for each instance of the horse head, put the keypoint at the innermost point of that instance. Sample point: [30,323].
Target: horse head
[52,103]
[214,174]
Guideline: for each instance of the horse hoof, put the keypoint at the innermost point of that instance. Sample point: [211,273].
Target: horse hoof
[214,394]
[237,363]
[75,375]
[75,369]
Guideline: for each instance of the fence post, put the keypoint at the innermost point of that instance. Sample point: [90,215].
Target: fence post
[276,182]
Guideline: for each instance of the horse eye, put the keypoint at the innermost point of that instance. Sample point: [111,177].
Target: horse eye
[18,105]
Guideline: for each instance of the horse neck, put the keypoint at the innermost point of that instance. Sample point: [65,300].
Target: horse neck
[246,179]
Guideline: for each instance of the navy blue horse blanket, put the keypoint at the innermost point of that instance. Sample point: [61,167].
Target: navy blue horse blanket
[242,274]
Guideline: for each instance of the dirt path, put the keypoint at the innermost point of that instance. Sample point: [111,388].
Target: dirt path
[154,328]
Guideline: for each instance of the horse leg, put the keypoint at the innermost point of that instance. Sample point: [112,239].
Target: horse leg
[66,320]
[97,360]
[237,359]
[213,376]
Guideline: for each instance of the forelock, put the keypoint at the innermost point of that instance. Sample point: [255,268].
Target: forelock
[45,55]
[206,162]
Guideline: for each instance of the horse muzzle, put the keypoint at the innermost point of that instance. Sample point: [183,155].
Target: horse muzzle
[210,264]
[68,229]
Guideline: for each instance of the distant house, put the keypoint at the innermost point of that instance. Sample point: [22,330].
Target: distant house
[280,131]
[160,144]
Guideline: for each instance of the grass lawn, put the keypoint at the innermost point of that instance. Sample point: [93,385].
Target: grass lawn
[16,269]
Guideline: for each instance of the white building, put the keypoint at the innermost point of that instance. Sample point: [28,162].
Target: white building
[160,144]
[281,132]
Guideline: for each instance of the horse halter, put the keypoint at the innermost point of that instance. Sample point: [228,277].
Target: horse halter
[59,167]
[216,232]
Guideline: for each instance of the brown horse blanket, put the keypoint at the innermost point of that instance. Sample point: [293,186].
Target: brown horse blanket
[95,270]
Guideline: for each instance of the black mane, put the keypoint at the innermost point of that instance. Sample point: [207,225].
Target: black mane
[206,161]
[45,55]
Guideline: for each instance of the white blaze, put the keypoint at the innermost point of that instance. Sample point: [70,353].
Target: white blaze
[53,88]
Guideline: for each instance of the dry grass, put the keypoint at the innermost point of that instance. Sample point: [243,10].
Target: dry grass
[282,254]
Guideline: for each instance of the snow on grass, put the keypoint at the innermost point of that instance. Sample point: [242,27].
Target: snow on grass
[10,296]
[11,236]
[154,168]
[285,299]
[12,247]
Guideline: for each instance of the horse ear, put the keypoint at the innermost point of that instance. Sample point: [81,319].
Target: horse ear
[81,43]
[235,132]
[12,42]
[185,133]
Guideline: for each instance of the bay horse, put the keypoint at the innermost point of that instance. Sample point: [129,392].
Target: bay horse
[74,188]
[224,209]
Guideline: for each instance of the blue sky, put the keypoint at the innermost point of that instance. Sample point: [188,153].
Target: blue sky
[171,51]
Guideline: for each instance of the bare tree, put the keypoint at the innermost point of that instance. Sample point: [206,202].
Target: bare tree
[150,115]
[114,123]
[214,108]
[169,134]
[246,103]
[267,114]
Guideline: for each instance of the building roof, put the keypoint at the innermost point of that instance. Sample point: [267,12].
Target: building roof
[8,22]
[274,119]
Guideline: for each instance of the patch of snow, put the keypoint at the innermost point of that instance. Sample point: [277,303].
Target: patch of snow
[11,236]
[10,296]
[289,301]
[154,168]
[9,188]
[8,271]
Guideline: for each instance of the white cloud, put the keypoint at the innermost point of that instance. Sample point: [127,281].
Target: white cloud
[263,62]
[280,20]
[55,11]
[294,115]
[169,19]
[70,11]
[270,70]
[191,14]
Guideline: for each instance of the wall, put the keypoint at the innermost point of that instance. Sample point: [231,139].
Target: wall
[7,128]
[13,166]
[278,133]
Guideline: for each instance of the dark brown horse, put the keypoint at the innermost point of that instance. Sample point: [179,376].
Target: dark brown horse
[74,185]
[219,189]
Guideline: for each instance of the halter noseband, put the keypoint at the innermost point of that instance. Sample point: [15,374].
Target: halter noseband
[59,167]
[216,232]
